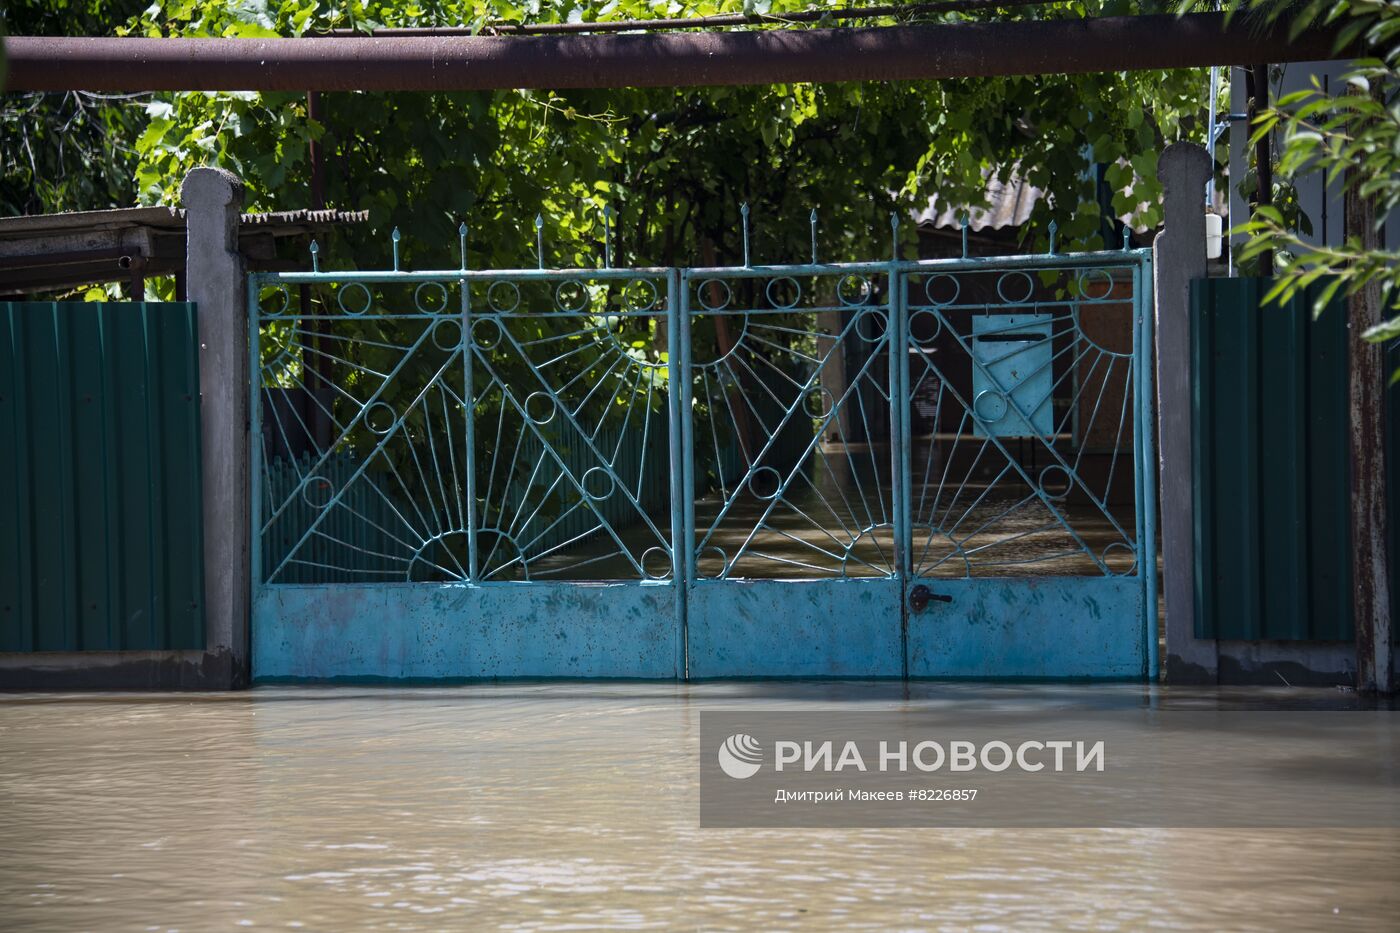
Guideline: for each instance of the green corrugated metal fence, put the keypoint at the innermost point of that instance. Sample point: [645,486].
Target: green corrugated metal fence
[100,509]
[1269,409]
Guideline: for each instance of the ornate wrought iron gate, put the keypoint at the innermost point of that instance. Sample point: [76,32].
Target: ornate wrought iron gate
[889,469]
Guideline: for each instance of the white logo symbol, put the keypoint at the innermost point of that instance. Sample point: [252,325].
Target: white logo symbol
[740,756]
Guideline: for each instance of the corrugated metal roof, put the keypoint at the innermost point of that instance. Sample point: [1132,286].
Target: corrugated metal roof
[165,218]
[1009,204]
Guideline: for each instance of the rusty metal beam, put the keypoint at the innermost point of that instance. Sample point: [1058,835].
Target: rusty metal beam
[776,56]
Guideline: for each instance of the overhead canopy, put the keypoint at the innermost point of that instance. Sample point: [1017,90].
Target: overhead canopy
[772,56]
[53,251]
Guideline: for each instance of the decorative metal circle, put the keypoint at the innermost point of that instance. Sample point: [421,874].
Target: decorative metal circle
[877,561]
[935,286]
[925,320]
[880,326]
[608,327]
[1094,285]
[990,405]
[1122,335]
[540,407]
[776,287]
[770,477]
[708,555]
[435,569]
[486,333]
[380,418]
[503,297]
[639,295]
[598,483]
[447,335]
[853,290]
[571,296]
[1132,553]
[501,549]
[431,308]
[1055,481]
[709,285]
[317,491]
[656,563]
[345,290]
[819,403]
[1006,277]
[736,340]
[266,293]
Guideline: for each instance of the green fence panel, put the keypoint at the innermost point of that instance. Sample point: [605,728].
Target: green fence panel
[1269,410]
[101,533]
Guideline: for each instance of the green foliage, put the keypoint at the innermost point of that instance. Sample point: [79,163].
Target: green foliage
[675,164]
[1353,137]
[66,151]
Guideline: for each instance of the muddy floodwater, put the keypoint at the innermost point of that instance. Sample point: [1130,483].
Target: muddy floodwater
[571,806]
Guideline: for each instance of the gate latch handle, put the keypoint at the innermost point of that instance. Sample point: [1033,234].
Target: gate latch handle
[920,595]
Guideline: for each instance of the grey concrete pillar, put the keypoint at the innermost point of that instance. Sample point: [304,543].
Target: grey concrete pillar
[1179,256]
[214,280]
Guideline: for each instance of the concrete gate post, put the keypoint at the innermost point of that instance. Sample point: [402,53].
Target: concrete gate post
[213,200]
[1179,255]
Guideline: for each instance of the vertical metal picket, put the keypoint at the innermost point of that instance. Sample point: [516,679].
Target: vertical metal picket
[469,429]
[1147,464]
[255,447]
[901,447]
[1139,479]
[677,370]
[687,471]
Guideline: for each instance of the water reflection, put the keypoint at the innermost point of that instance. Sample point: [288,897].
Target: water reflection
[575,806]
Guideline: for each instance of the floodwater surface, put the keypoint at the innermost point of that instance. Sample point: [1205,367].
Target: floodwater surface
[575,806]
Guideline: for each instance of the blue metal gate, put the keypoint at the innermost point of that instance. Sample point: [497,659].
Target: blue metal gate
[874,469]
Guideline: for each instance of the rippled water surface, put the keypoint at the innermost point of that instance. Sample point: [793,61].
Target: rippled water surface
[572,807]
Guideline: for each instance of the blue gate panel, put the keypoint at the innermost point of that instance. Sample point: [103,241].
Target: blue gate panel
[465,631]
[811,628]
[1030,627]
[704,472]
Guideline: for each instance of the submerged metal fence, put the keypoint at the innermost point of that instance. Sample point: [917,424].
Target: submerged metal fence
[881,421]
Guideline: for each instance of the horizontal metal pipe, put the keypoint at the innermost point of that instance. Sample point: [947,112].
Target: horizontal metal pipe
[775,56]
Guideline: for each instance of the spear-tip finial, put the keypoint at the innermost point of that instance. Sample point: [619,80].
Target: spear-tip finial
[744,213]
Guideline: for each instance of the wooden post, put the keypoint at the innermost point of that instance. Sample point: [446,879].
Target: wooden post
[1370,558]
